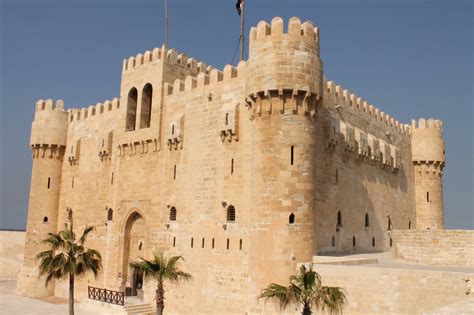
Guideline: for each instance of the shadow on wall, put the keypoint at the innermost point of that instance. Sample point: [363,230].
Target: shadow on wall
[357,201]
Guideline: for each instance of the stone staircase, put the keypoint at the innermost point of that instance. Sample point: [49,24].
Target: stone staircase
[137,307]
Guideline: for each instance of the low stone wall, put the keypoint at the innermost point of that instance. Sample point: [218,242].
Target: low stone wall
[434,247]
[12,245]
[381,290]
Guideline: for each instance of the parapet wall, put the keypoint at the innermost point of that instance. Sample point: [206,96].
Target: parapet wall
[427,141]
[434,247]
[49,127]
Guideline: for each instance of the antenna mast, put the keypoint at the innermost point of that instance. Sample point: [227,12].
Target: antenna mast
[166,24]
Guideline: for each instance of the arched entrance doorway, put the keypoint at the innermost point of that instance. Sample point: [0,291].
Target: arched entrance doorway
[134,248]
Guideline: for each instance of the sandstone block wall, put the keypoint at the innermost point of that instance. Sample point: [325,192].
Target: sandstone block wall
[374,290]
[12,245]
[434,247]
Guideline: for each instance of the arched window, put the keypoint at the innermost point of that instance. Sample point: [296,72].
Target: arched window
[131,110]
[339,218]
[373,241]
[145,114]
[231,214]
[291,219]
[366,220]
[333,241]
[173,214]
[110,214]
[45,220]
[353,241]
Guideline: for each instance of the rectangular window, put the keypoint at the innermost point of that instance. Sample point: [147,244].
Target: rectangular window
[174,173]
[203,242]
[174,241]
[292,158]
[427,196]
[240,244]
[192,242]
[232,167]
[49,182]
[228,243]
[212,243]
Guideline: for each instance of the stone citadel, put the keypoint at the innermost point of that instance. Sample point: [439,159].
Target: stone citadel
[245,172]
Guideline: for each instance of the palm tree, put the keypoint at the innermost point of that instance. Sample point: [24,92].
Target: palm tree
[162,270]
[67,257]
[305,288]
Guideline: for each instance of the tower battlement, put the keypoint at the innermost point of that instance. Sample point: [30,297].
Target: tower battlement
[428,141]
[49,127]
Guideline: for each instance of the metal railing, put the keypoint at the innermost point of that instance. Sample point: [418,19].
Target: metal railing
[107,296]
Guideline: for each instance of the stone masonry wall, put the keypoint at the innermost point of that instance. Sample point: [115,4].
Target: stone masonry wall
[12,245]
[434,247]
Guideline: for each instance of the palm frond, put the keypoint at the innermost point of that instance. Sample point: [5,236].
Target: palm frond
[85,233]
[283,296]
[331,298]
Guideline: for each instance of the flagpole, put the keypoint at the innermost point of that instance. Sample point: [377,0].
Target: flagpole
[166,24]
[242,39]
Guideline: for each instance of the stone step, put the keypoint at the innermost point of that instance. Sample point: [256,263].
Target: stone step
[349,261]
[139,309]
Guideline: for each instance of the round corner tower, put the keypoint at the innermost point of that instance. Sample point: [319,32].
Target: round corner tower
[47,142]
[283,89]
[428,155]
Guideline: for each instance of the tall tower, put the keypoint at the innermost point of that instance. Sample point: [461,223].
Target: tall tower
[428,155]
[284,86]
[47,142]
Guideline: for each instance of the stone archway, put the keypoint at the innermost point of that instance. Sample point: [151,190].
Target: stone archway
[134,248]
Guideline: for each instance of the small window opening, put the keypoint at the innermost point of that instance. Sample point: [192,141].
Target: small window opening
[333,241]
[389,227]
[112,179]
[292,154]
[49,182]
[339,218]
[240,244]
[173,214]
[353,241]
[72,149]
[192,242]
[69,214]
[228,243]
[103,142]
[213,243]
[72,182]
[203,242]
[291,219]
[373,241]
[174,173]
[427,196]
[174,241]
[172,130]
[391,242]
[366,220]
[232,166]
[140,246]
[110,214]
[231,214]
[409,225]
[45,220]
[226,119]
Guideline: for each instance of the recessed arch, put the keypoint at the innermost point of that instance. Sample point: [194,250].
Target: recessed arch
[145,110]
[131,110]
[134,244]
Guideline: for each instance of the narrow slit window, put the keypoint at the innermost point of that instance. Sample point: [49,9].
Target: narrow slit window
[240,244]
[231,166]
[112,179]
[427,196]
[72,182]
[49,182]
[292,157]
[226,119]
[409,225]
[391,242]
[192,242]
[389,225]
[339,218]
[174,172]
[373,241]
[353,241]
[174,241]
[228,243]
[366,220]
[333,241]
[213,243]
[203,241]
[291,219]
[336,177]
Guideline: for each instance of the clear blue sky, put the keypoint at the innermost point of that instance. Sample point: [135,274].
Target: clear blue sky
[410,58]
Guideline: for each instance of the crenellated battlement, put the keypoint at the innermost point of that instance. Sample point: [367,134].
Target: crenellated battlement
[76,114]
[49,128]
[49,104]
[345,98]
[427,123]
[161,54]
[296,30]
[212,77]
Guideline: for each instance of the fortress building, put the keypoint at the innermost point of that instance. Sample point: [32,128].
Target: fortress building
[245,172]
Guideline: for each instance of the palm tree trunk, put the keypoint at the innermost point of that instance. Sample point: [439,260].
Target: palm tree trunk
[71,294]
[306,309]
[160,298]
